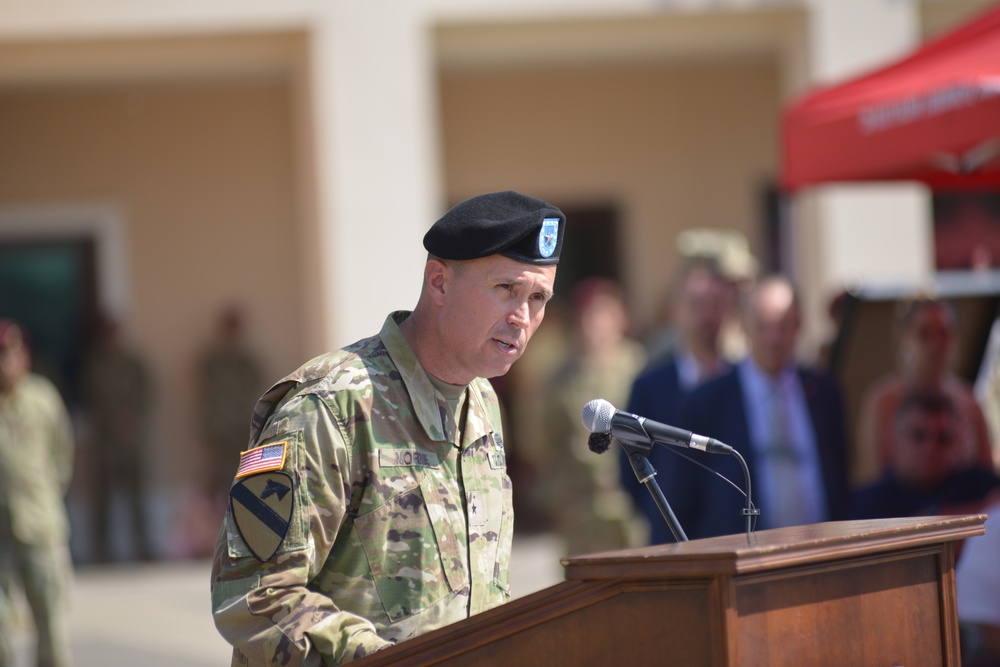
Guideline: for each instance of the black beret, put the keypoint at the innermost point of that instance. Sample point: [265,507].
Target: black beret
[507,223]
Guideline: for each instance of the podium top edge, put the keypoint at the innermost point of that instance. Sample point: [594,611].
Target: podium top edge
[781,547]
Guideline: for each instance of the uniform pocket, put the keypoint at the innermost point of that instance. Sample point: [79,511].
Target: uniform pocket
[412,552]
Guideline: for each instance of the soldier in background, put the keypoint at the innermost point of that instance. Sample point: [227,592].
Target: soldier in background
[229,383]
[374,504]
[590,509]
[36,463]
[116,395]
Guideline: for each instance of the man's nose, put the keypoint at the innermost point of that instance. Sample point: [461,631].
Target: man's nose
[520,315]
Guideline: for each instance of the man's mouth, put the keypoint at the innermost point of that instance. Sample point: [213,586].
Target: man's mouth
[511,347]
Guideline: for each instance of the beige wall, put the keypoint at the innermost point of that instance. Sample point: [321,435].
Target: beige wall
[672,146]
[203,175]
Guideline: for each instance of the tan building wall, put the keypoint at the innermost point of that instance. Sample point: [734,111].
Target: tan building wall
[671,146]
[203,176]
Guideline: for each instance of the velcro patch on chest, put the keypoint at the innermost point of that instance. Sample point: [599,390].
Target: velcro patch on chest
[477,510]
[406,458]
[497,461]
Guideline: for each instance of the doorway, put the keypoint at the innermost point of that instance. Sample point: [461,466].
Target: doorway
[49,286]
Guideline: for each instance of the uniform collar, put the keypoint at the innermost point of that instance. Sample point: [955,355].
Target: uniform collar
[429,406]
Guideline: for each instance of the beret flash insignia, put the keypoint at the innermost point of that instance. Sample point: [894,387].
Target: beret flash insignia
[548,236]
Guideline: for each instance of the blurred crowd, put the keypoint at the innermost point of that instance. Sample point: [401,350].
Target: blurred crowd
[725,362]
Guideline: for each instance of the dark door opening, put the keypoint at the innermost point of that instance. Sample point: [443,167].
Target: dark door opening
[49,286]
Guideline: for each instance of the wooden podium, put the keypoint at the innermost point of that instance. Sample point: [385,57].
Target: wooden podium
[868,593]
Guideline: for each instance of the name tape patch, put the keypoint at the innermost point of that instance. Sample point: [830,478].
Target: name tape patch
[406,458]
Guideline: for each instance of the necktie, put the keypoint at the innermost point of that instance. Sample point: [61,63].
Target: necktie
[785,464]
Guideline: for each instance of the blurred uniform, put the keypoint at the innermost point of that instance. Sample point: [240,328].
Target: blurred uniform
[590,509]
[230,383]
[374,504]
[117,396]
[36,463]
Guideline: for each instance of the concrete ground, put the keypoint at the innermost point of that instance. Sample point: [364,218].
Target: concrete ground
[159,615]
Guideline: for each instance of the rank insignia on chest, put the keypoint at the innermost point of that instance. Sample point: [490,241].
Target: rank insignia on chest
[477,510]
[262,507]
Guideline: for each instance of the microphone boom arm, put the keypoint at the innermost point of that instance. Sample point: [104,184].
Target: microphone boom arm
[637,452]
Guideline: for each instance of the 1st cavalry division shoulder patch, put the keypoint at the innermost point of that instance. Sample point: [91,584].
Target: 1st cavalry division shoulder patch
[262,509]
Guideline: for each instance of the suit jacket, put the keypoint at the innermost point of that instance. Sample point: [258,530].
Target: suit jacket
[706,506]
[656,394]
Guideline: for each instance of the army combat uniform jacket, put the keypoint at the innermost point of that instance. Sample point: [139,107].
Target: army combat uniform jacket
[36,463]
[364,513]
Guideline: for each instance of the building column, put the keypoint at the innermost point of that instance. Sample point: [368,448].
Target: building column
[376,165]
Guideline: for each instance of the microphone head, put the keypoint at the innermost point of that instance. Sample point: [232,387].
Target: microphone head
[597,416]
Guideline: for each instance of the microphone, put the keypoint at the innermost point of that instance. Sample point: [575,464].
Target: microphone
[600,417]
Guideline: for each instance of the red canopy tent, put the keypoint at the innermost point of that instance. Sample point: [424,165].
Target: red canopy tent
[933,116]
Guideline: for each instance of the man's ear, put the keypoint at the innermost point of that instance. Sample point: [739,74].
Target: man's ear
[437,275]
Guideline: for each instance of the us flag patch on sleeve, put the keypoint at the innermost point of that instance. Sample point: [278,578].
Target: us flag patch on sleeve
[262,459]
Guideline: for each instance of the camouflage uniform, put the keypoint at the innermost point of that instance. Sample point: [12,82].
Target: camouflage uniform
[36,462]
[591,510]
[230,382]
[117,394]
[400,519]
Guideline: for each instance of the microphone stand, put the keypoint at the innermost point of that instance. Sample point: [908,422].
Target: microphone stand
[638,456]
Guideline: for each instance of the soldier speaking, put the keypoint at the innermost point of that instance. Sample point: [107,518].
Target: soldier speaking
[373,504]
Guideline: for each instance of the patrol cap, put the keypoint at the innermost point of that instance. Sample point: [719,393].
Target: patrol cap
[506,223]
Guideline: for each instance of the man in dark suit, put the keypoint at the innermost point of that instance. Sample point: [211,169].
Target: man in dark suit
[785,420]
[700,306]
